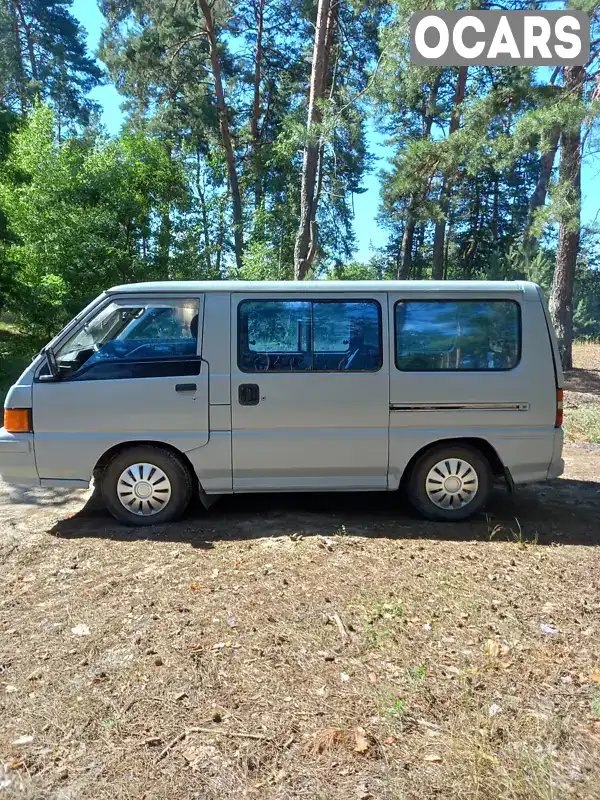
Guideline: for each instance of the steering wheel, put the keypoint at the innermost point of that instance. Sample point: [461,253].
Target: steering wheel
[368,350]
[262,362]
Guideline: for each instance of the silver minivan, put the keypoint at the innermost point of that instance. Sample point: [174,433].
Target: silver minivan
[157,390]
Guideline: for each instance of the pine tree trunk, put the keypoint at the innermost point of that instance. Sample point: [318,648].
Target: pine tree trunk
[408,235]
[205,221]
[254,130]
[437,267]
[234,186]
[407,245]
[561,296]
[306,239]
[19,50]
[496,213]
[538,198]
[28,39]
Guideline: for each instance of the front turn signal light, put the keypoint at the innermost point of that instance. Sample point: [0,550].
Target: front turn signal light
[18,420]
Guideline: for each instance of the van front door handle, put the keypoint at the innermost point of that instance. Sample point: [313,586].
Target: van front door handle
[186,387]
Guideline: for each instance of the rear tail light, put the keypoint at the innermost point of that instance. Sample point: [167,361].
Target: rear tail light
[18,420]
[559,408]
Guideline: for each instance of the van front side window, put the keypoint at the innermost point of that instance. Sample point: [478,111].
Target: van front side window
[122,341]
[309,336]
[463,335]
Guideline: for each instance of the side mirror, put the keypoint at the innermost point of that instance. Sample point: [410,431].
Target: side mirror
[52,366]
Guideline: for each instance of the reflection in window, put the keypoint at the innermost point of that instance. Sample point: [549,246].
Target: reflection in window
[320,335]
[457,335]
[132,333]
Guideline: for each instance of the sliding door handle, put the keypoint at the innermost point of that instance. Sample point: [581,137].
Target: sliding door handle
[248,394]
[185,387]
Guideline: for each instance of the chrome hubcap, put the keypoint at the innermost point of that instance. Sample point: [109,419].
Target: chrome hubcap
[144,489]
[451,483]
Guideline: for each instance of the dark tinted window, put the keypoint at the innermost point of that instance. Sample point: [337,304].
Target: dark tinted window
[434,335]
[122,370]
[316,336]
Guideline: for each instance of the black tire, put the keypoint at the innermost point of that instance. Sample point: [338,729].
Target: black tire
[419,497]
[177,473]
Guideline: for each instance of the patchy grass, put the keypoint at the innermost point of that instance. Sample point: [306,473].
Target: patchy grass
[582,422]
[582,395]
[331,647]
[256,651]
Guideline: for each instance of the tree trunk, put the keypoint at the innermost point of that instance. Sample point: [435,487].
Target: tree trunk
[408,235]
[28,40]
[306,239]
[220,239]
[407,244]
[561,296]
[256,143]
[472,249]
[496,212]
[205,221]
[19,52]
[538,198]
[437,268]
[234,186]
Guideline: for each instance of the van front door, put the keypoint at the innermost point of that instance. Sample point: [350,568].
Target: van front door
[132,373]
[310,392]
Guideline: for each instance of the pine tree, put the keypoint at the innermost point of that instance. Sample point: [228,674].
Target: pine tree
[43,58]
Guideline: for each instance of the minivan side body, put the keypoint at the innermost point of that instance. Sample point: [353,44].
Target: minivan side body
[304,386]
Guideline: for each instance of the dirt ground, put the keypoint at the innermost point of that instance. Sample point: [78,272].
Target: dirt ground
[308,646]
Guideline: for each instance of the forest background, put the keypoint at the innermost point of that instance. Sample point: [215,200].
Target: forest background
[275,139]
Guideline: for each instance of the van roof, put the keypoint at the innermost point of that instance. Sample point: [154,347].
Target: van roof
[303,287]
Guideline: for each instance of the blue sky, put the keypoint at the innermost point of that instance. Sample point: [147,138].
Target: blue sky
[368,233]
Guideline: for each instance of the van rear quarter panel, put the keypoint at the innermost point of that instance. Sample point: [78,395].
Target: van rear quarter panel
[523,438]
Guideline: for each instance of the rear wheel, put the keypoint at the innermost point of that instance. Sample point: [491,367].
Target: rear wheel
[146,485]
[450,482]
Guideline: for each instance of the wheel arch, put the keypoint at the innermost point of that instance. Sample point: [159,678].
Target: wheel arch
[113,451]
[485,448]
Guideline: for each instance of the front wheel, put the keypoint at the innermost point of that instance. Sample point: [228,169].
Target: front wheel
[450,482]
[146,485]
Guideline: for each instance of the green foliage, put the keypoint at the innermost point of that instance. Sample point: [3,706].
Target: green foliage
[80,211]
[83,215]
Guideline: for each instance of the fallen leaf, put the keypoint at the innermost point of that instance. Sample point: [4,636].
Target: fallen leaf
[433,758]
[549,630]
[595,676]
[23,740]
[80,630]
[362,743]
[389,740]
[195,588]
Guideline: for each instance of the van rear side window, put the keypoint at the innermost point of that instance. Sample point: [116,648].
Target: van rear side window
[309,336]
[457,335]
